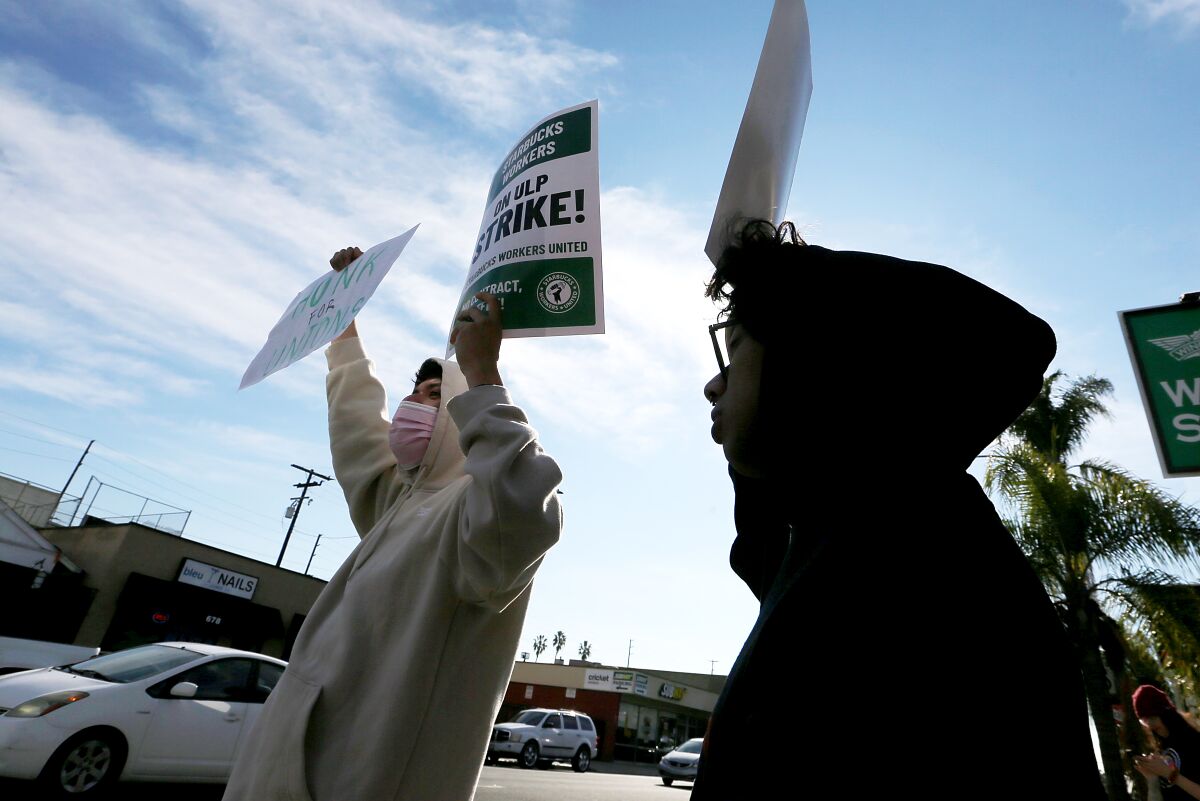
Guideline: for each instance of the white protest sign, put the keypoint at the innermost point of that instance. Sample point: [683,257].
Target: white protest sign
[324,309]
[538,248]
[759,177]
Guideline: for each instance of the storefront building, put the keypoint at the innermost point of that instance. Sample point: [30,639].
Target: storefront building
[140,585]
[639,714]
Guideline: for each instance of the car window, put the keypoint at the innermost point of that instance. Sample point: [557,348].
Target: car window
[268,677]
[529,717]
[135,663]
[552,722]
[222,680]
[585,723]
[569,722]
[690,747]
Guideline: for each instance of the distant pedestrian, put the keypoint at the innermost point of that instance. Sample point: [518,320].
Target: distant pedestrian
[1175,738]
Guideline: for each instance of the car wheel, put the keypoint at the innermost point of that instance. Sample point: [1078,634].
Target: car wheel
[85,765]
[582,760]
[529,755]
[667,781]
[490,759]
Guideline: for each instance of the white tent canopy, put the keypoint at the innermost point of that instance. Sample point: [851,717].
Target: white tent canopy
[21,544]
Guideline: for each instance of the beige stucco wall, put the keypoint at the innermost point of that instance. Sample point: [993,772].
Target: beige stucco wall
[108,554]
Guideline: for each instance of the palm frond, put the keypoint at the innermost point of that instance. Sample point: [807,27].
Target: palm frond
[1167,614]
[1131,520]
[1057,426]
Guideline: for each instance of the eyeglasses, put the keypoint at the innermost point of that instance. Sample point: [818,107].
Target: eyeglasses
[719,346]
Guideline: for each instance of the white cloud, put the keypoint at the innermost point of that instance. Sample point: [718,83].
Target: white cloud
[179,263]
[1185,14]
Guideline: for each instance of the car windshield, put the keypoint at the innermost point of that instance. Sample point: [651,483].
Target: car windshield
[529,717]
[134,664]
[691,746]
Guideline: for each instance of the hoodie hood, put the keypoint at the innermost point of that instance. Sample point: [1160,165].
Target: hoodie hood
[878,354]
[444,459]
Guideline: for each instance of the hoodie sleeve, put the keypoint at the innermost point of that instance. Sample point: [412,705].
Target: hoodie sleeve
[511,515]
[358,435]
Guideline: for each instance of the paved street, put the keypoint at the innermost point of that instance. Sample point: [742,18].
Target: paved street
[500,783]
[504,783]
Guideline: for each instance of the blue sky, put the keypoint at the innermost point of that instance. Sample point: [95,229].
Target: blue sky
[171,175]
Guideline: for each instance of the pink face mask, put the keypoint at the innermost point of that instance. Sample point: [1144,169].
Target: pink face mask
[410,432]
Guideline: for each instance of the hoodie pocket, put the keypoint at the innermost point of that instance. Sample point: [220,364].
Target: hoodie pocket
[291,732]
[272,767]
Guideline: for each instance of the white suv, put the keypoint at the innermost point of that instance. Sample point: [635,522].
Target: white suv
[542,736]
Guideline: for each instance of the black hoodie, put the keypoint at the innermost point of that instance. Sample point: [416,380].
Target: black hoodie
[904,645]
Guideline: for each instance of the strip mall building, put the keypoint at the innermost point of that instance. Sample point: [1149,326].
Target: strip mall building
[639,714]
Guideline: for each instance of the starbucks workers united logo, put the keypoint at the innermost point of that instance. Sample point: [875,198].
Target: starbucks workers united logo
[558,292]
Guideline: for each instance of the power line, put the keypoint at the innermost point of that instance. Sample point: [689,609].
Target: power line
[36,439]
[216,515]
[185,484]
[39,455]
[42,425]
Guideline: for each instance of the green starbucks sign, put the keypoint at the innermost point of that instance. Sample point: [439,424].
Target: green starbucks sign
[1164,344]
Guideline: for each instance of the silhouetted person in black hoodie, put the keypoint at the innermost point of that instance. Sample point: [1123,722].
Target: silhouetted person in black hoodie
[903,644]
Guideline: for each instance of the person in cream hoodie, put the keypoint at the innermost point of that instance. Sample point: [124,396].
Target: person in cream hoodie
[398,672]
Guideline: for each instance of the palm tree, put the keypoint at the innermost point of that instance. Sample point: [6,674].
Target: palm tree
[585,650]
[539,645]
[560,640]
[1097,537]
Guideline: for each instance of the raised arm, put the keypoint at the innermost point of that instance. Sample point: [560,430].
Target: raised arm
[511,515]
[358,425]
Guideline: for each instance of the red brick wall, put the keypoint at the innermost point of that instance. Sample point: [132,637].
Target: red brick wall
[601,707]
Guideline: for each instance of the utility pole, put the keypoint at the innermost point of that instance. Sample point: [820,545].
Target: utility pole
[76,470]
[311,555]
[712,666]
[303,491]
[629,653]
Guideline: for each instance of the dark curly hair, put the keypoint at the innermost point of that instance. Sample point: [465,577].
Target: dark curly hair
[760,259]
[430,368]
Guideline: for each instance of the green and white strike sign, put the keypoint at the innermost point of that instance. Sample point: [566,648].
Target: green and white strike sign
[1164,344]
[538,248]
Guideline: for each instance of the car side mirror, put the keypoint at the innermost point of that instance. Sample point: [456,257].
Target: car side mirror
[184,689]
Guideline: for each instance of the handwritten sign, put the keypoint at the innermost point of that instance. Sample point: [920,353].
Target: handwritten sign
[538,248]
[324,309]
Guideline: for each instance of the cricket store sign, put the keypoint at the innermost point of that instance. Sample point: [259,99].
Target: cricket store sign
[1164,344]
[216,578]
[538,248]
[597,679]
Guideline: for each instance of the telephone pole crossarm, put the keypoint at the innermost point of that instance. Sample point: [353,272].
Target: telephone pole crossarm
[303,487]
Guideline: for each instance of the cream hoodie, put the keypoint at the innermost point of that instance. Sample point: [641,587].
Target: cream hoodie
[398,672]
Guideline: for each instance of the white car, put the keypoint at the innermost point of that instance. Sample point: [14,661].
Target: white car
[542,736]
[682,763]
[173,711]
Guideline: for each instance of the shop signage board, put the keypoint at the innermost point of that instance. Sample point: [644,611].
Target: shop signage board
[1164,345]
[623,681]
[211,577]
[598,679]
[671,692]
